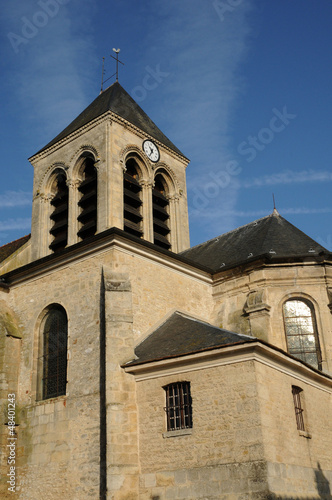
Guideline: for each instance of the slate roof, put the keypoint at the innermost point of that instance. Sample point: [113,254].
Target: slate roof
[271,236]
[9,248]
[180,335]
[117,100]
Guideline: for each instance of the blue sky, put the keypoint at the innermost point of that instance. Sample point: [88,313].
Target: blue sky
[243,88]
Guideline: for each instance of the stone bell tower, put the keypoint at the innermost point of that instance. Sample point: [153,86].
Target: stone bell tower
[111,167]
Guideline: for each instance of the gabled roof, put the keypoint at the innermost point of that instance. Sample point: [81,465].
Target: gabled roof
[10,248]
[180,335]
[117,100]
[272,235]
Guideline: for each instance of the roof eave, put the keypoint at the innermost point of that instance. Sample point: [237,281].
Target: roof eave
[255,350]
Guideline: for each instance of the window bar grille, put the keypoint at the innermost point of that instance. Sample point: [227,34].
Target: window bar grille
[298,407]
[178,406]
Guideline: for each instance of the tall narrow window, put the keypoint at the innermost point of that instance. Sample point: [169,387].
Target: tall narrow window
[160,214]
[301,332]
[178,406]
[54,364]
[132,201]
[88,201]
[296,391]
[59,215]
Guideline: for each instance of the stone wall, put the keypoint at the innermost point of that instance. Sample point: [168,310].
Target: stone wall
[244,431]
[226,437]
[66,435]
[251,302]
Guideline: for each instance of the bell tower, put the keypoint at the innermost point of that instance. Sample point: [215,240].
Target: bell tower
[111,167]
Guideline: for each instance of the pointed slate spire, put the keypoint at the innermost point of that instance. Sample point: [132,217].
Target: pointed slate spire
[118,101]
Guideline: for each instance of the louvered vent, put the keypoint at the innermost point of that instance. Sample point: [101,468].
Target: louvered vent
[59,216]
[132,203]
[160,215]
[88,201]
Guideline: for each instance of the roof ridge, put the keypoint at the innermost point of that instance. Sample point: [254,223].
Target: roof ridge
[193,318]
[233,230]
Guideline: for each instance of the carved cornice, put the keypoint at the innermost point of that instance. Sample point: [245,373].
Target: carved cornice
[114,117]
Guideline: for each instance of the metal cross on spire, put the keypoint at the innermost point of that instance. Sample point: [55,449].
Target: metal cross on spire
[117,69]
[117,63]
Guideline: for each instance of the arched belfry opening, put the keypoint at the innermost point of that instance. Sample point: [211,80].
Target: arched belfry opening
[87,203]
[132,199]
[160,203]
[59,214]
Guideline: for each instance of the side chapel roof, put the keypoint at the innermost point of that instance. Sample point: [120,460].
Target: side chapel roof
[117,100]
[10,248]
[271,235]
[180,335]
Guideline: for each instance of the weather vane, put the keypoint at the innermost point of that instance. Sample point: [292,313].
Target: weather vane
[117,69]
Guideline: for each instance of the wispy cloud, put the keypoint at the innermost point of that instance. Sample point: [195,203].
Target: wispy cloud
[47,68]
[288,177]
[14,224]
[203,86]
[11,199]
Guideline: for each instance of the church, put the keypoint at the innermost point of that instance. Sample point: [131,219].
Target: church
[135,367]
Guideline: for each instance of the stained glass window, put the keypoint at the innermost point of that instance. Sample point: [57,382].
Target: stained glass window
[302,339]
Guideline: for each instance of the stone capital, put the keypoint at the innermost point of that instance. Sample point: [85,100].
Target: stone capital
[73,183]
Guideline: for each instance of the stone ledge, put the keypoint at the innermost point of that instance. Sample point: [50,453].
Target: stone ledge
[180,432]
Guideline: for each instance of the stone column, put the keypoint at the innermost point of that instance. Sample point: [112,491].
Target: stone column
[73,210]
[120,390]
[175,235]
[147,210]
[44,226]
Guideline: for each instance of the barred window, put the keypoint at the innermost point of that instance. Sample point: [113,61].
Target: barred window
[54,364]
[301,332]
[296,391]
[178,406]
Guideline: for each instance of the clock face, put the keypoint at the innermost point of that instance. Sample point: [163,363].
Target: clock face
[151,151]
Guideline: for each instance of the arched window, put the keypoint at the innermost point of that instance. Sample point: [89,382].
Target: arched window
[59,215]
[54,353]
[88,201]
[301,331]
[160,213]
[132,200]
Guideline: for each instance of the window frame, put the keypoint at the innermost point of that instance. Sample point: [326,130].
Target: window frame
[45,361]
[178,407]
[301,354]
[298,407]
